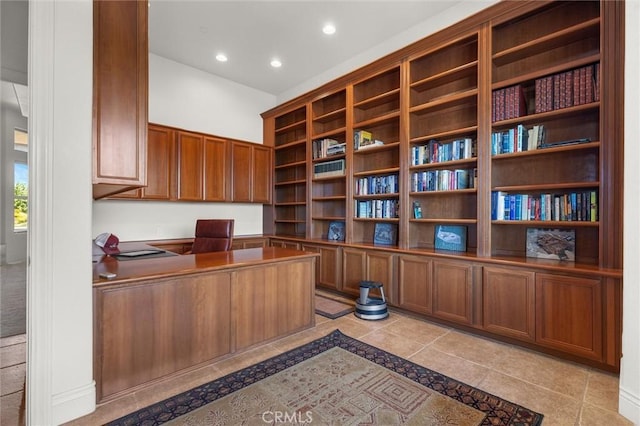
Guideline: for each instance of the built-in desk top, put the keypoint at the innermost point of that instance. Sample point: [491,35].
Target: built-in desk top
[174,265]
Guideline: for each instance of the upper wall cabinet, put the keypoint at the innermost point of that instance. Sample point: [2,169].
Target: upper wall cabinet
[251,182]
[120,90]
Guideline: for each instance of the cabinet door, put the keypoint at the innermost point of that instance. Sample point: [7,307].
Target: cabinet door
[509,302]
[261,175]
[160,164]
[361,265]
[120,76]
[453,291]
[241,154]
[190,166]
[328,265]
[414,283]
[215,169]
[569,314]
[354,267]
[285,244]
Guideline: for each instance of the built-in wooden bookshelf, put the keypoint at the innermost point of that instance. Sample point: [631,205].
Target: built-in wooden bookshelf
[544,45]
[443,98]
[290,173]
[329,190]
[487,77]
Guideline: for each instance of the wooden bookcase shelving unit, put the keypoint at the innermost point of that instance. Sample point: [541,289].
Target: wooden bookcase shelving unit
[497,74]
[290,173]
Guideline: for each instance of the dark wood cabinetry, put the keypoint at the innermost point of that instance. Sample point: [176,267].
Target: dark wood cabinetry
[492,84]
[328,265]
[569,314]
[373,265]
[120,87]
[509,302]
[251,165]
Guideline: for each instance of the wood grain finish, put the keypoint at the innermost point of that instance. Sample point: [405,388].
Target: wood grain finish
[216,173]
[452,291]
[190,166]
[509,302]
[414,284]
[120,88]
[328,266]
[163,316]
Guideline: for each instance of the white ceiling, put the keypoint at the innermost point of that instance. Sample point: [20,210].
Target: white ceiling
[250,33]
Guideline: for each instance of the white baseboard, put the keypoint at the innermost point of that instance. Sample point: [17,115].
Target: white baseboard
[629,406]
[74,403]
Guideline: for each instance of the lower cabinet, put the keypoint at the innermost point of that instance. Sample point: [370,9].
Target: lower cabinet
[284,244]
[328,265]
[270,302]
[372,265]
[414,283]
[453,291]
[569,314]
[509,305]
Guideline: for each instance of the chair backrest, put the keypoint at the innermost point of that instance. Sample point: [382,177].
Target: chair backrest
[213,235]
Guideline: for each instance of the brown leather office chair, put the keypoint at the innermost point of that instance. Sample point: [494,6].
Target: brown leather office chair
[212,235]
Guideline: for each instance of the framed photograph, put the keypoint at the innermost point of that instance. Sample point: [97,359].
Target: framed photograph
[450,237]
[385,234]
[558,244]
[336,231]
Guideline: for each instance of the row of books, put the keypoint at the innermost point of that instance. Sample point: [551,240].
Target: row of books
[329,168]
[363,139]
[376,209]
[507,103]
[327,147]
[443,180]
[566,89]
[574,206]
[377,185]
[437,152]
[517,139]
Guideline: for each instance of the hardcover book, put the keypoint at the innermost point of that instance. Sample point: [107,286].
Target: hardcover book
[336,231]
[451,237]
[558,244]
[385,234]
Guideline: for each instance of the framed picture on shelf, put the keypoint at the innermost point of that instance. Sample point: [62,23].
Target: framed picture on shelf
[385,234]
[450,237]
[558,244]
[336,231]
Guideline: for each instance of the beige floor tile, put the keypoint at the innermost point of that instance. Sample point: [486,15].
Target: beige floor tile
[392,343]
[595,416]
[107,412]
[13,355]
[602,390]
[13,340]
[420,331]
[450,365]
[477,349]
[550,373]
[558,409]
[10,409]
[12,379]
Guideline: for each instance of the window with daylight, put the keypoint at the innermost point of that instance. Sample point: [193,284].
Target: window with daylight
[20,196]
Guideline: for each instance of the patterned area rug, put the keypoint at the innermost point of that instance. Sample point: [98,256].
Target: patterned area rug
[330,308]
[335,380]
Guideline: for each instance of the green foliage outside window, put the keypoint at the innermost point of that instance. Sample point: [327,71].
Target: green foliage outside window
[20,205]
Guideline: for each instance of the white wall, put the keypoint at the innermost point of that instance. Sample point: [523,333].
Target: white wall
[13,245]
[59,296]
[448,17]
[190,99]
[629,401]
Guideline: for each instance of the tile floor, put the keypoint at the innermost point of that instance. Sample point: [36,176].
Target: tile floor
[566,393]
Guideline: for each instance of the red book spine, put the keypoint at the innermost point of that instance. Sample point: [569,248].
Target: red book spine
[556,91]
[589,84]
[538,95]
[569,89]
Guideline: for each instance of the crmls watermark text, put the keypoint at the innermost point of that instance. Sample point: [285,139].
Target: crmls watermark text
[281,417]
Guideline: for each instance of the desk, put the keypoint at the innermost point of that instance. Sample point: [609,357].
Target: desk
[163,316]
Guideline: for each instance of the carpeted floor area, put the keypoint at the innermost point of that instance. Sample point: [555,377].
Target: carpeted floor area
[13,299]
[335,380]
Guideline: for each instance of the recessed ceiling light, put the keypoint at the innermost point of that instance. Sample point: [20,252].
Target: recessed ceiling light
[276,63]
[329,29]
[221,57]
